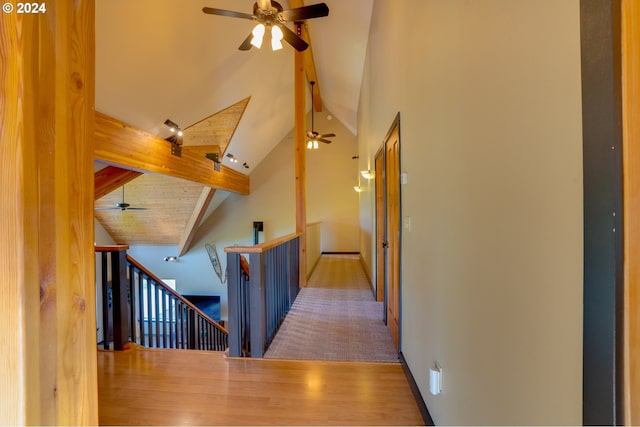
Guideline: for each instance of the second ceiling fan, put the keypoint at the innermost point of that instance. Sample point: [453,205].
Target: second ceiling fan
[271,15]
[314,137]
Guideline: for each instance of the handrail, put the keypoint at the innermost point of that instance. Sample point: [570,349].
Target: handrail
[244,265]
[175,294]
[262,247]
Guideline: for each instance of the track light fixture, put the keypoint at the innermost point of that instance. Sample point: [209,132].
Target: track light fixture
[175,139]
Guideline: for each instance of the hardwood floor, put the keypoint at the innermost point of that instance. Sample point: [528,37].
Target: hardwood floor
[144,386]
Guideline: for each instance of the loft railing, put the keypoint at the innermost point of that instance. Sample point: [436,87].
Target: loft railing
[136,306]
[259,302]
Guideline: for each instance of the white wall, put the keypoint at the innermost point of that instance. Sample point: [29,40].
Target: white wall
[490,101]
[331,176]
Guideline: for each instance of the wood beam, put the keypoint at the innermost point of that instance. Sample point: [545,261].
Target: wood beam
[194,221]
[309,63]
[120,144]
[47,298]
[300,126]
[111,178]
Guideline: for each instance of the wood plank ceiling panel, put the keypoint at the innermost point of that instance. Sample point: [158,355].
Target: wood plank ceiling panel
[169,202]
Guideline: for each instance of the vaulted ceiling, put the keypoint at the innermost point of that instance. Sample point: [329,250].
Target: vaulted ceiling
[159,59]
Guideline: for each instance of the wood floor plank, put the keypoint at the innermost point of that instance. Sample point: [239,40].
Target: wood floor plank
[181,387]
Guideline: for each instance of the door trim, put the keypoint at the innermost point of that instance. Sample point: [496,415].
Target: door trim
[381,180]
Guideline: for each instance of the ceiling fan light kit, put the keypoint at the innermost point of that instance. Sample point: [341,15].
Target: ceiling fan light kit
[275,18]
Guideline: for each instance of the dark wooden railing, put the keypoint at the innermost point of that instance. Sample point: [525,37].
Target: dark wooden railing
[139,307]
[259,301]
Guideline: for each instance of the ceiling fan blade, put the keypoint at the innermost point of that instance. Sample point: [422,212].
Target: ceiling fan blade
[305,12]
[106,209]
[326,141]
[246,44]
[136,209]
[293,39]
[231,13]
[328,135]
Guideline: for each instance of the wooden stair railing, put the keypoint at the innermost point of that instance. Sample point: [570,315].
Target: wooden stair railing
[145,310]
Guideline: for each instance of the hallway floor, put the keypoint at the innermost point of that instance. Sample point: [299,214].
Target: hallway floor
[335,317]
[142,386]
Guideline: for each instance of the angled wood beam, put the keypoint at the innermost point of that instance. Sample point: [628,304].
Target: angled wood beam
[120,144]
[307,59]
[194,221]
[111,178]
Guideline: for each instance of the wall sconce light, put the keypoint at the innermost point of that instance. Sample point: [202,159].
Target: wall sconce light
[232,159]
[358,189]
[171,258]
[368,174]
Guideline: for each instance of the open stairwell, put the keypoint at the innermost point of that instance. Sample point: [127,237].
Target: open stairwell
[135,306]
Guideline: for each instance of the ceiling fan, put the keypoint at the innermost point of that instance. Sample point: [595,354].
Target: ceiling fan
[312,136]
[123,206]
[270,15]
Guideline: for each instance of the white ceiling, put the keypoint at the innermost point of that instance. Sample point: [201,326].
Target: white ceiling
[159,59]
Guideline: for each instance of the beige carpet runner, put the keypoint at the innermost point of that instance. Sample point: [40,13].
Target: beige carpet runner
[335,318]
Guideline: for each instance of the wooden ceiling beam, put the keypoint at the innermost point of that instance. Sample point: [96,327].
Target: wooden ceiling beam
[194,221]
[309,63]
[120,144]
[111,178]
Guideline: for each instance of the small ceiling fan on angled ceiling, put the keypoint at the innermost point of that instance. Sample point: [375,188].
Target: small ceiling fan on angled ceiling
[270,15]
[312,136]
[122,206]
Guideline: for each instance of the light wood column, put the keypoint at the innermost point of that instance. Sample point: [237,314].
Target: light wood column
[300,156]
[631,156]
[47,297]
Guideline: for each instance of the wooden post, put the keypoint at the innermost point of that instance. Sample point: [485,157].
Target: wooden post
[258,325]
[300,155]
[234,288]
[120,302]
[47,298]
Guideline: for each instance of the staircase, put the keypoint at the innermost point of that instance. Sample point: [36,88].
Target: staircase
[135,306]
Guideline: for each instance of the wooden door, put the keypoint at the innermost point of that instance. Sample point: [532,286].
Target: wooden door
[392,208]
[381,224]
[631,185]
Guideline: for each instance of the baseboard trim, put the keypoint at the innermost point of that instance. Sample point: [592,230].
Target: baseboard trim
[426,417]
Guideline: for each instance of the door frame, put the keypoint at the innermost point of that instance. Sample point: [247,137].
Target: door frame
[381,216]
